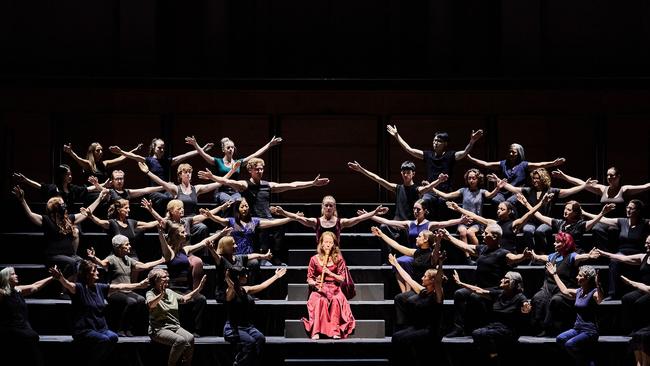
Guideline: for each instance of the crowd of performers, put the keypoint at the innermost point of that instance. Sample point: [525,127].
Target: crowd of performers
[491,307]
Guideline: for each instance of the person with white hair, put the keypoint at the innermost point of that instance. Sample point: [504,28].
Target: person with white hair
[509,306]
[120,268]
[16,333]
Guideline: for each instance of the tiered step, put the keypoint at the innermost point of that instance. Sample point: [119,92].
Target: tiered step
[353,257]
[365,328]
[365,292]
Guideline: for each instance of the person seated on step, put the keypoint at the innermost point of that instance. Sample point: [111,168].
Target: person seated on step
[414,228]
[553,312]
[418,312]
[239,328]
[492,263]
[328,308]
[505,317]
[580,340]
[16,332]
[329,219]
[641,337]
[88,296]
[164,320]
[176,249]
[120,266]
[421,255]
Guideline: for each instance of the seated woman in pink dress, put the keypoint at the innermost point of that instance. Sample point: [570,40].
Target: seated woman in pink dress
[329,311]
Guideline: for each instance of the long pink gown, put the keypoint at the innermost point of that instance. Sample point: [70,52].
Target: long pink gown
[329,310]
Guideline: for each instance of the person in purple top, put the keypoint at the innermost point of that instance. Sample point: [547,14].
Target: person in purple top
[514,169]
[89,326]
[437,161]
[587,297]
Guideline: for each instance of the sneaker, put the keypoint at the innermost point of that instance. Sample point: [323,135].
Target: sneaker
[457,332]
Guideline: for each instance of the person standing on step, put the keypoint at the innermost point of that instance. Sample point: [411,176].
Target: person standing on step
[164,321]
[239,328]
[16,332]
[88,296]
[580,340]
[329,311]
[406,194]
[437,161]
[418,312]
[258,195]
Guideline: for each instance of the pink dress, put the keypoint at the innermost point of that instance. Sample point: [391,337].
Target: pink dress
[329,310]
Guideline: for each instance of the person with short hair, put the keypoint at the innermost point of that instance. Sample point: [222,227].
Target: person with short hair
[164,320]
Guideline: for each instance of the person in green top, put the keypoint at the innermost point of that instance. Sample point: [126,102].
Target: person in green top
[164,321]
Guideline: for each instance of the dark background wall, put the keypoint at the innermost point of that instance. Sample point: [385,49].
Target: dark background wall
[562,78]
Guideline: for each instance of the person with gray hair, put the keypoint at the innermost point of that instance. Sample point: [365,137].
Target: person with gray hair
[509,306]
[164,321]
[492,263]
[121,267]
[584,334]
[514,169]
[16,333]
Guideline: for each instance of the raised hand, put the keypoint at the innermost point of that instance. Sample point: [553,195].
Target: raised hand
[115,150]
[18,192]
[456,277]
[318,181]
[90,252]
[277,210]
[375,231]
[55,272]
[143,167]
[268,255]
[67,148]
[442,177]
[143,284]
[392,260]
[202,283]
[354,166]
[361,212]
[550,268]
[466,220]
[608,208]
[191,140]
[392,130]
[526,307]
[146,204]
[380,210]
[559,161]
[19,177]
[476,135]
[275,141]
[279,272]
[453,205]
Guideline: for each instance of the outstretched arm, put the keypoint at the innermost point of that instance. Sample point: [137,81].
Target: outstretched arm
[57,275]
[448,196]
[416,153]
[266,223]
[306,221]
[380,210]
[191,140]
[475,136]
[112,162]
[417,288]
[477,290]
[595,189]
[565,192]
[392,223]
[637,285]
[392,243]
[632,260]
[128,154]
[20,178]
[504,183]
[381,181]
[238,185]
[480,219]
[257,288]
[83,163]
[282,187]
[169,187]
[566,292]
[546,164]
[27,290]
[467,248]
[628,189]
[607,208]
[482,163]
[274,141]
[442,177]
[190,295]
[33,217]
[532,210]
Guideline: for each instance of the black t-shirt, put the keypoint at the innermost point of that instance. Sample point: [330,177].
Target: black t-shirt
[239,311]
[531,197]
[491,266]
[258,197]
[509,237]
[56,242]
[577,230]
[75,193]
[405,197]
[505,310]
[220,274]
[440,164]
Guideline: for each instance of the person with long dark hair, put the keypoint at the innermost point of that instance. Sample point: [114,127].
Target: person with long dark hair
[239,328]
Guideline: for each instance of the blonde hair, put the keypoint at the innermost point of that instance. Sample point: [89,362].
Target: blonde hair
[175,203]
[322,206]
[226,241]
[5,286]
[182,169]
[90,156]
[543,176]
[252,163]
[224,141]
[114,209]
[335,253]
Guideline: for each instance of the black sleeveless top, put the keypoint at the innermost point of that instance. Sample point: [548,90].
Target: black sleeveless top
[258,197]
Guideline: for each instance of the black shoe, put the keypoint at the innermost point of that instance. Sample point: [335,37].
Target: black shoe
[122,333]
[129,333]
[457,332]
[542,334]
